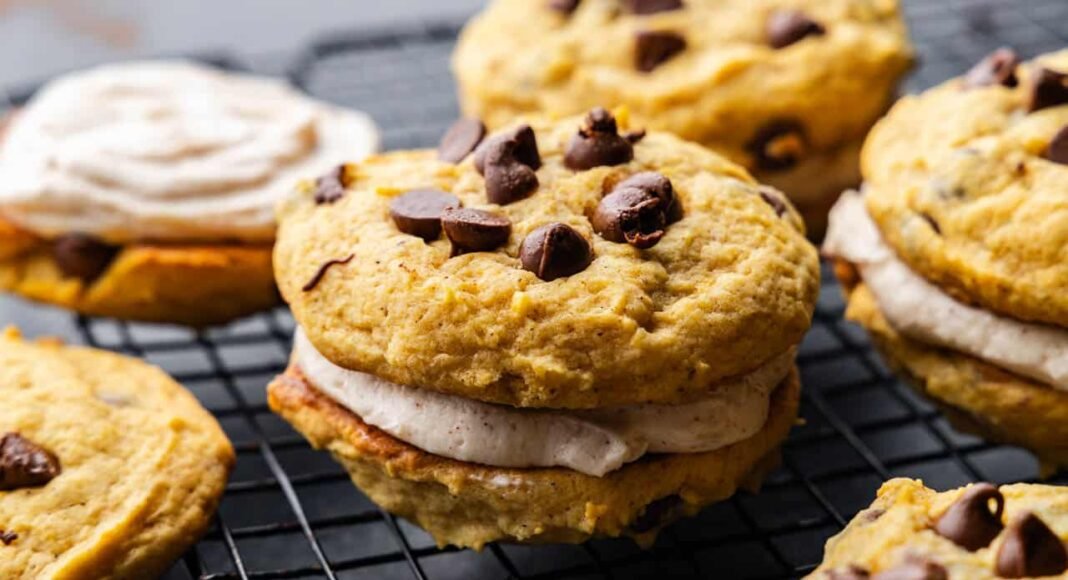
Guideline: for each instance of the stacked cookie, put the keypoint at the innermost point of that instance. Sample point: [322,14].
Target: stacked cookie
[146,191]
[977,532]
[108,468]
[955,257]
[787,88]
[573,330]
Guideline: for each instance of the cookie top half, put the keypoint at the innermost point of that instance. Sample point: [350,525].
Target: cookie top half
[968,185]
[615,267]
[725,73]
[980,532]
[108,468]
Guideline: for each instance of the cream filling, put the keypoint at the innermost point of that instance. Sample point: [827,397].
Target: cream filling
[593,442]
[168,151]
[921,311]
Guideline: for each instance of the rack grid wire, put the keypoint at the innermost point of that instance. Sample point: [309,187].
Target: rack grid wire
[291,512]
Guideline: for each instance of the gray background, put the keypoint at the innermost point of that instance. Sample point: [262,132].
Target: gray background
[39,38]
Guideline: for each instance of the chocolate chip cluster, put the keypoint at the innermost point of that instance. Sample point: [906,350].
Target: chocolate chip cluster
[1029,549]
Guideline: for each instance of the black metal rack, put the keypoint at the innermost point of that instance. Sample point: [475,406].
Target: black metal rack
[290,512]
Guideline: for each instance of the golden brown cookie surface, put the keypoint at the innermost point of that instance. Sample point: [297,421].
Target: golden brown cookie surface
[967,186]
[729,284]
[140,465]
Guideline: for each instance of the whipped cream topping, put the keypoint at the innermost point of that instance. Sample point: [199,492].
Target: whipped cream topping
[593,442]
[168,151]
[922,311]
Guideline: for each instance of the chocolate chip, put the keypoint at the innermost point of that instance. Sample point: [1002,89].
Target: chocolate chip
[773,197]
[931,222]
[83,256]
[1029,549]
[472,230]
[525,150]
[508,162]
[597,143]
[914,569]
[659,186]
[635,211]
[24,463]
[785,27]
[460,140]
[969,523]
[564,6]
[778,145]
[653,48]
[8,537]
[852,572]
[554,251]
[318,277]
[633,137]
[1057,150]
[651,6]
[418,212]
[330,187]
[656,513]
[1048,88]
[997,68]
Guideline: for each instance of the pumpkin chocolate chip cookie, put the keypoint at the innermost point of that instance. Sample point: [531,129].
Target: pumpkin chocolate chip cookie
[977,532]
[787,88]
[145,191]
[955,257]
[108,468]
[573,332]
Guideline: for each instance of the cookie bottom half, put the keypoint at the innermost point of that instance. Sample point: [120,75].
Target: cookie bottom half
[977,397]
[197,285]
[468,505]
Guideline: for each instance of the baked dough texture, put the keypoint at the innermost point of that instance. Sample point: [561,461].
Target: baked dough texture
[897,527]
[143,464]
[468,505]
[194,285]
[971,161]
[725,87]
[729,286]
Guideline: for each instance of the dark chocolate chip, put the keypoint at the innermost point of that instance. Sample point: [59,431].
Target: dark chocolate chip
[651,6]
[997,68]
[473,230]
[773,197]
[778,145]
[507,180]
[564,6]
[1057,150]
[852,572]
[656,513]
[554,251]
[460,140]
[318,277]
[785,27]
[1029,549]
[330,187]
[969,523]
[631,214]
[83,256]
[914,569]
[24,463]
[633,137]
[597,143]
[525,150]
[418,212]
[659,186]
[653,48]
[8,537]
[931,222]
[1048,88]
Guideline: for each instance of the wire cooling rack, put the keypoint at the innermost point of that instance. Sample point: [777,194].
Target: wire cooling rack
[290,512]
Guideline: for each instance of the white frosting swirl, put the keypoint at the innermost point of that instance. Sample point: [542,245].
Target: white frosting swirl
[594,442]
[168,151]
[922,311]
